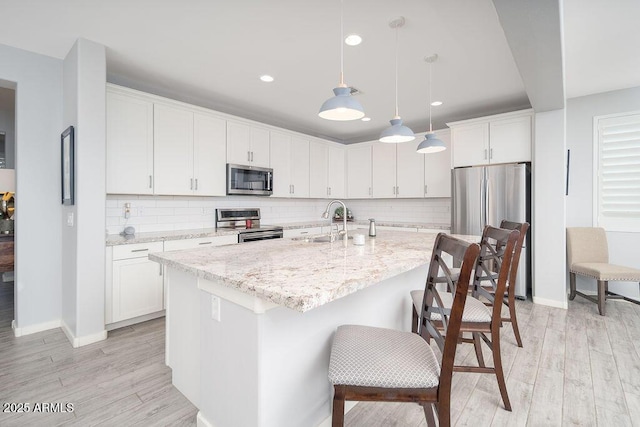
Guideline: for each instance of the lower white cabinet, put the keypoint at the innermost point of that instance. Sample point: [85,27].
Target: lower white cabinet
[137,283]
[200,242]
[301,232]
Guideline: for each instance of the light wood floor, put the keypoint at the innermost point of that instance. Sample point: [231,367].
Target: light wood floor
[576,368]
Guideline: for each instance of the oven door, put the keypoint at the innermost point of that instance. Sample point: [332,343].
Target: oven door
[259,235]
[249,180]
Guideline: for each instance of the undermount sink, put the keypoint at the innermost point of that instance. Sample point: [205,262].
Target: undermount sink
[321,238]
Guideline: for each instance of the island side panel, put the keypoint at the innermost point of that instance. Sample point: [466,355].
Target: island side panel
[271,369]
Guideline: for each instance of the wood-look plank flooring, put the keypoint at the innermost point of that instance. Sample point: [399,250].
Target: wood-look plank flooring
[576,368]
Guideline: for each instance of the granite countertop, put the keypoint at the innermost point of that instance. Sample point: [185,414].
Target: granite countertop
[160,236]
[280,270]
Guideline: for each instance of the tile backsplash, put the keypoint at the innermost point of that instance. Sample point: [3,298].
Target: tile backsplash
[161,213]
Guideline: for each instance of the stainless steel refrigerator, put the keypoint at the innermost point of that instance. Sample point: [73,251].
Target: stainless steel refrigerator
[485,195]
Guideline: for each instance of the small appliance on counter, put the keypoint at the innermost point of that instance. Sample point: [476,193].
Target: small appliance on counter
[247,222]
[372,227]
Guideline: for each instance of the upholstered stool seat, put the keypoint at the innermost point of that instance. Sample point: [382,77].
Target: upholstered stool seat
[474,309]
[604,271]
[377,357]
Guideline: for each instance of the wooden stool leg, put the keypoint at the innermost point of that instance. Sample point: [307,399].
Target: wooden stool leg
[414,320]
[477,344]
[337,417]
[572,286]
[514,320]
[428,413]
[602,297]
[497,363]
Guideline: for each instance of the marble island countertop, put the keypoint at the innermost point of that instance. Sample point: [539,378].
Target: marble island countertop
[364,222]
[304,275]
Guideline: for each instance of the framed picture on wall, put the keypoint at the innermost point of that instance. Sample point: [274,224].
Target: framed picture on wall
[68,151]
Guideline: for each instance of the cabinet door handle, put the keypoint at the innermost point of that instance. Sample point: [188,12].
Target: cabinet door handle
[140,250]
[425,189]
[205,243]
[490,153]
[150,181]
[191,187]
[370,191]
[252,156]
[248,156]
[160,273]
[293,188]
[485,154]
[329,188]
[196,183]
[394,190]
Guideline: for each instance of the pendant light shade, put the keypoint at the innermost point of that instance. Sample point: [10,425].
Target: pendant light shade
[342,106]
[397,132]
[430,144]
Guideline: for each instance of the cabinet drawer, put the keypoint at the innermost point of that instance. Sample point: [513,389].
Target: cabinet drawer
[200,242]
[296,232]
[136,250]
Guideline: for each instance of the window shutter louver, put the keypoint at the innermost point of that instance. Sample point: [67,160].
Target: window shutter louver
[618,173]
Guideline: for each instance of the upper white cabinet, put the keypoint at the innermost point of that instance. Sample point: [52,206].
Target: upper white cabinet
[409,170]
[290,164]
[326,170]
[129,144]
[173,150]
[437,169]
[157,146]
[384,170]
[359,171]
[247,145]
[503,138]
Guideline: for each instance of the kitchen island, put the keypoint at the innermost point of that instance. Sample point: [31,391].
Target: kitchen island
[249,327]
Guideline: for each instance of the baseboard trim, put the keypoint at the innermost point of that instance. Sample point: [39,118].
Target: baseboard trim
[551,302]
[84,340]
[32,329]
[201,421]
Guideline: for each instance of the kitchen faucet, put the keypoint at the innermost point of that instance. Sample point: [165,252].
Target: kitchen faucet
[344,220]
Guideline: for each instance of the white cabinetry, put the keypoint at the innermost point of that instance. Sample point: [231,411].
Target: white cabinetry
[137,283]
[247,145]
[437,169]
[200,242]
[326,170]
[503,138]
[359,171]
[398,171]
[290,163]
[189,151]
[129,144]
[301,232]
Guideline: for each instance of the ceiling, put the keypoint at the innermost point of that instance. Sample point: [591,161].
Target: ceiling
[211,53]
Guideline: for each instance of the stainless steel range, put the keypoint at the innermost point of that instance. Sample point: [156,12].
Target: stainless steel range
[247,222]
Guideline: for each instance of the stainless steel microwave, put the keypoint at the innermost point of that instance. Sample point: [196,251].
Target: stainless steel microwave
[250,180]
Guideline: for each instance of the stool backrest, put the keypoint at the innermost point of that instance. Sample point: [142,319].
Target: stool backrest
[586,244]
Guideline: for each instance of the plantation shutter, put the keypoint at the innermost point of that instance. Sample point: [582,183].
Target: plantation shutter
[618,173]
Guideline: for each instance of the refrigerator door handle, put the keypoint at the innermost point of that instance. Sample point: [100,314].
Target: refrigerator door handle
[487,200]
[483,201]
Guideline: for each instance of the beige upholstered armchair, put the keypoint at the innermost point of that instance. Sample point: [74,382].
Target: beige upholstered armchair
[588,255]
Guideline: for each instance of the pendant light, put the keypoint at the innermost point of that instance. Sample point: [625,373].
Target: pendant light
[342,106]
[397,132]
[431,144]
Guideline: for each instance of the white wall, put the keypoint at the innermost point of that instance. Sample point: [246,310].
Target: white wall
[38,81]
[548,210]
[83,254]
[7,124]
[580,114]
[162,213]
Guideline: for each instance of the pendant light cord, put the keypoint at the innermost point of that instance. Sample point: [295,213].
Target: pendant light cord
[341,43]
[397,115]
[430,73]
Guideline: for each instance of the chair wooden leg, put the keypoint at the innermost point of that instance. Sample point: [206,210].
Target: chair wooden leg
[428,414]
[514,319]
[337,417]
[572,286]
[443,408]
[497,363]
[477,345]
[602,297]
[414,320]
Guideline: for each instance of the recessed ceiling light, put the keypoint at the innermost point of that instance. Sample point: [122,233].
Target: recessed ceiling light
[436,103]
[366,119]
[353,40]
[266,78]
